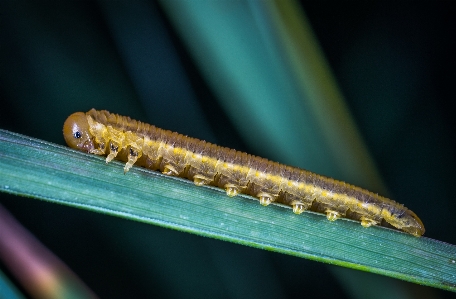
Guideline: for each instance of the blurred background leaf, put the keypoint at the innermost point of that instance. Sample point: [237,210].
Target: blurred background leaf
[394,63]
[7,288]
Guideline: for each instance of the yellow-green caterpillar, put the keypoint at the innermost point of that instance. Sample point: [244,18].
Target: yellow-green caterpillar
[119,137]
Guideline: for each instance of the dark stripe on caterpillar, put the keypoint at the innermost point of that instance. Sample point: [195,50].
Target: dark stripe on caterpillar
[135,142]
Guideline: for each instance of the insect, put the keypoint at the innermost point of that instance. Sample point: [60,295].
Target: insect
[135,142]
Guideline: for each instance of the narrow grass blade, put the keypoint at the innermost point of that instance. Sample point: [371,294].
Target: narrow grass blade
[42,170]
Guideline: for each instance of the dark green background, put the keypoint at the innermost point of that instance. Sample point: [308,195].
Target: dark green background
[394,62]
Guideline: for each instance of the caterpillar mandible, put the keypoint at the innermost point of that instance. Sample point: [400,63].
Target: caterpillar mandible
[135,142]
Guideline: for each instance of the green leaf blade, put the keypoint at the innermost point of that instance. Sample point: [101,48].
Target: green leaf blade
[42,170]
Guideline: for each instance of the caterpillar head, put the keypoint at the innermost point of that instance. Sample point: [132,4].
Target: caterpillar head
[76,132]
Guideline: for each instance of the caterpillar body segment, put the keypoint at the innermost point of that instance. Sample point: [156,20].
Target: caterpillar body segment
[138,143]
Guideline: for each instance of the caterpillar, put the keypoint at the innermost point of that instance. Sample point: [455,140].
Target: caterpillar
[135,142]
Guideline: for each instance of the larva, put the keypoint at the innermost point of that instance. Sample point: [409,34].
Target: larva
[104,133]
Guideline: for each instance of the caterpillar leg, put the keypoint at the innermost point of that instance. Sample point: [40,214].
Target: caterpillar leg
[173,162]
[367,222]
[101,150]
[200,177]
[231,190]
[332,212]
[168,169]
[113,151]
[266,193]
[332,215]
[298,208]
[232,183]
[299,203]
[133,155]
[265,198]
[200,180]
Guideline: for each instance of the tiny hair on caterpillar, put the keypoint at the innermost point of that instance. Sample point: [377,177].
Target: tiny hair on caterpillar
[137,143]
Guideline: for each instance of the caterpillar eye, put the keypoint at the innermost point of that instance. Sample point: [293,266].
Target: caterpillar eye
[77,135]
